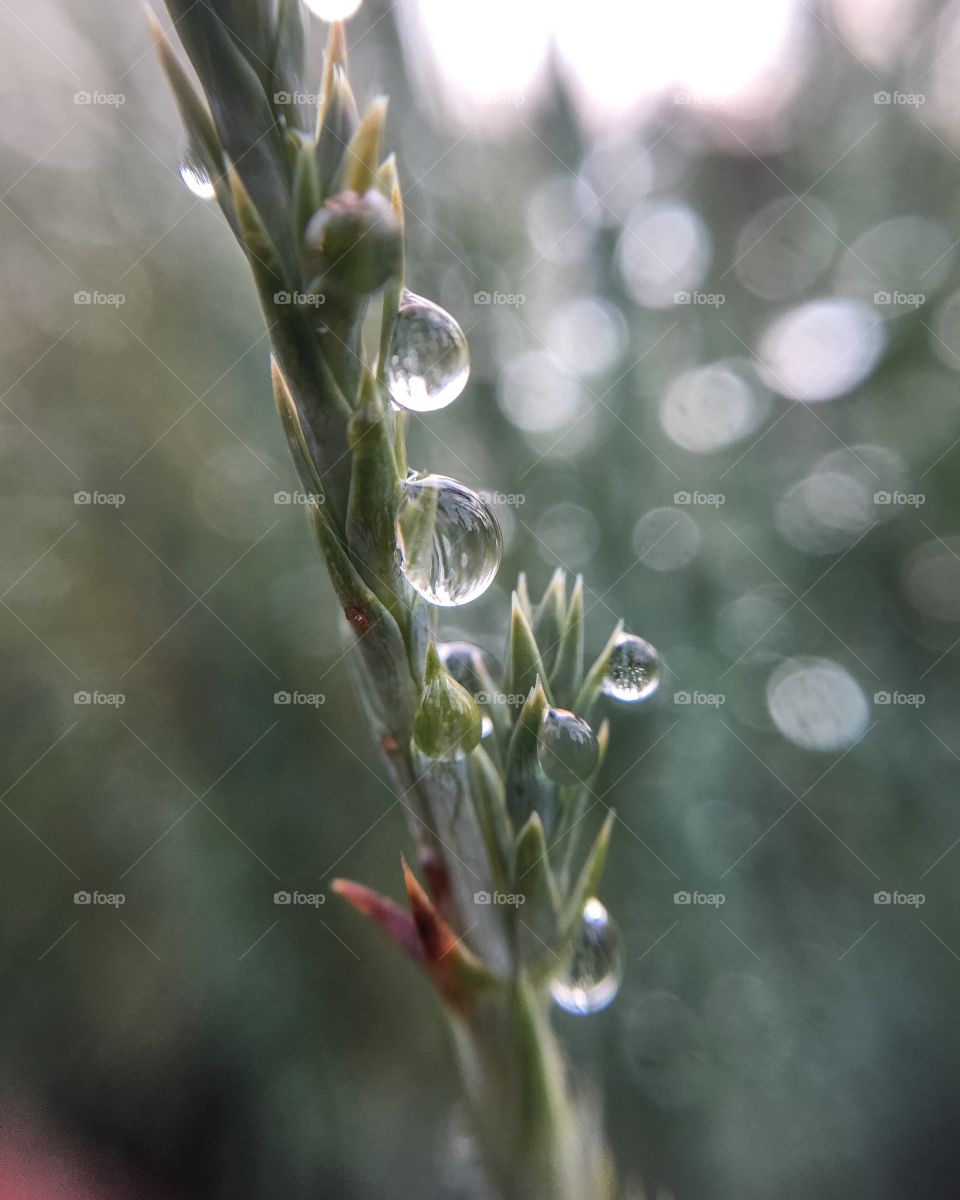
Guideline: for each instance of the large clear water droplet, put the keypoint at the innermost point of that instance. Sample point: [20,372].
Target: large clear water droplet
[194,175]
[633,670]
[448,540]
[567,747]
[429,359]
[590,978]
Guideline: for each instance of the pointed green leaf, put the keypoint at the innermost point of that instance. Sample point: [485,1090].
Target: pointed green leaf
[447,721]
[491,808]
[568,667]
[523,666]
[549,615]
[588,882]
[533,879]
[590,688]
[359,165]
[338,121]
[527,788]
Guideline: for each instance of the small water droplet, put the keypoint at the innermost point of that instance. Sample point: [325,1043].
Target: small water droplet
[429,359]
[567,747]
[448,540]
[590,978]
[194,175]
[486,727]
[633,670]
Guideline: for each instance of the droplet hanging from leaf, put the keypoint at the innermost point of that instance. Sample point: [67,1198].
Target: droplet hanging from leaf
[567,747]
[633,670]
[194,175]
[429,361]
[591,976]
[448,540]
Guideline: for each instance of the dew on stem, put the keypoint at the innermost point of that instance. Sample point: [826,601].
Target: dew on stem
[194,175]
[633,670]
[591,976]
[448,540]
[429,360]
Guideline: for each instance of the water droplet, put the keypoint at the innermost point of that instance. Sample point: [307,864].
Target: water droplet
[429,358]
[194,175]
[486,727]
[567,747]
[633,670]
[448,540]
[470,665]
[591,977]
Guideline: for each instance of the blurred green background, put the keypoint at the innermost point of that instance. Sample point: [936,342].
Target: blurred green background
[708,265]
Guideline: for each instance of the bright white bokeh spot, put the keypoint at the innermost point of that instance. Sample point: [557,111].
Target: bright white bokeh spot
[666,539]
[821,349]
[709,408]
[538,394]
[333,10]
[664,250]
[816,704]
[587,335]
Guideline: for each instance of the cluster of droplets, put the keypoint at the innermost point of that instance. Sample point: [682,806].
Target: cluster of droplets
[448,540]
[591,974]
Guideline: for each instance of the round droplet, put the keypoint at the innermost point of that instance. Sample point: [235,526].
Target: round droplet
[194,175]
[429,359]
[471,666]
[590,978]
[567,747]
[448,540]
[633,670]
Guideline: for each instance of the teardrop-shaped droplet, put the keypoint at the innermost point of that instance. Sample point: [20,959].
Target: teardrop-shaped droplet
[567,747]
[194,175]
[429,359]
[448,540]
[633,670]
[590,978]
[486,727]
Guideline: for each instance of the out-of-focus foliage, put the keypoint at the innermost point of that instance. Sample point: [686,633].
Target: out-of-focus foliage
[714,353]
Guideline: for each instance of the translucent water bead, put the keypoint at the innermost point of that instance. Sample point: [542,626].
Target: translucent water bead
[429,358]
[591,976]
[194,175]
[633,670]
[448,540]
[567,747]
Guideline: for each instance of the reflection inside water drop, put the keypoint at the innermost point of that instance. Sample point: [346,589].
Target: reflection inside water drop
[590,978]
[429,361]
